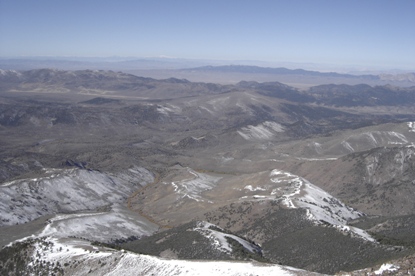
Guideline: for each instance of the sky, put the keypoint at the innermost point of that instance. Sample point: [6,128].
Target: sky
[373,33]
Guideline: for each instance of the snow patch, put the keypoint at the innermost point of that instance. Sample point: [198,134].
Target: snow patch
[347,146]
[317,146]
[316,159]
[56,251]
[260,196]
[167,109]
[386,268]
[411,126]
[399,136]
[218,238]
[207,109]
[273,126]
[163,110]
[266,130]
[250,188]
[362,233]
[226,159]
[371,138]
[193,187]
[323,206]
[291,185]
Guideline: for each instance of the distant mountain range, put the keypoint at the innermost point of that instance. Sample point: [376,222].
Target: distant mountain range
[184,67]
[277,71]
[110,83]
[246,69]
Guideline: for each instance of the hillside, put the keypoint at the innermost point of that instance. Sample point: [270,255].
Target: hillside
[259,172]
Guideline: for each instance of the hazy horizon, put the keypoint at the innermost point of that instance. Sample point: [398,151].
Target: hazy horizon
[352,34]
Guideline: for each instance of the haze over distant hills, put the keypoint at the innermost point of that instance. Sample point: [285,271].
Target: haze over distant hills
[220,71]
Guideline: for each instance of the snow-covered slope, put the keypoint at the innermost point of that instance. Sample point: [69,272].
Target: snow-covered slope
[66,191]
[362,139]
[66,255]
[297,192]
[218,238]
[118,223]
[360,142]
[374,139]
[293,191]
[378,171]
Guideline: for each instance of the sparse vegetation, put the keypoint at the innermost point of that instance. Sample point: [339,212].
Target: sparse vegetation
[22,258]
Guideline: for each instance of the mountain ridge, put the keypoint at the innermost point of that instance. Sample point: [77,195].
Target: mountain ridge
[277,70]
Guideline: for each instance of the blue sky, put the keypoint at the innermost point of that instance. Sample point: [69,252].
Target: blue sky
[373,33]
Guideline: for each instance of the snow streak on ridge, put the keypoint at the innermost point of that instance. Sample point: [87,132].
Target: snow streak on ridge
[218,238]
[297,192]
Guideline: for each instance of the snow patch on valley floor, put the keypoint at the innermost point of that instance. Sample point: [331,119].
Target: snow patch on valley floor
[193,187]
[264,131]
[411,126]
